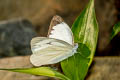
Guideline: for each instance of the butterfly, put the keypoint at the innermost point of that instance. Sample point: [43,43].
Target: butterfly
[57,46]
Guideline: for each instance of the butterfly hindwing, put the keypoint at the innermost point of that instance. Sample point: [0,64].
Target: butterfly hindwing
[48,50]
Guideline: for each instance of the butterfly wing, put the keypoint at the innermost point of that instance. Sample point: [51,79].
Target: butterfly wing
[49,51]
[60,30]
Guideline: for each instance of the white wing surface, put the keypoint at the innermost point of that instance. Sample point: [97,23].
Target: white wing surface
[60,30]
[49,51]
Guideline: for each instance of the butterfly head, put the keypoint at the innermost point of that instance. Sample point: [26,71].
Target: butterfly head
[75,48]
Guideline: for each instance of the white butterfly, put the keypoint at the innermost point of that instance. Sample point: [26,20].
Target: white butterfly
[58,46]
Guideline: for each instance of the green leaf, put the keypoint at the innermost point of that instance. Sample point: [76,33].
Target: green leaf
[115,31]
[76,66]
[85,31]
[42,71]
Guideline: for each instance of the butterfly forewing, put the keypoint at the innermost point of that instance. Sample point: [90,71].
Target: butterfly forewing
[49,51]
[60,30]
